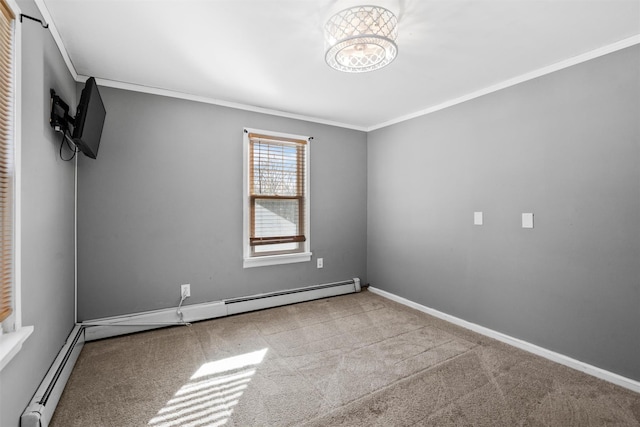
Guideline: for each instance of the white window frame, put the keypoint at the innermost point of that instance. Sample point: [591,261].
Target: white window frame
[13,334]
[250,260]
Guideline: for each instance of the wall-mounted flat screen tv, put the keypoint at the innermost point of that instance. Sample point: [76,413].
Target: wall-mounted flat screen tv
[89,120]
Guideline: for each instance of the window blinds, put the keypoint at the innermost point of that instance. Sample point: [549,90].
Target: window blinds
[277,192]
[6,159]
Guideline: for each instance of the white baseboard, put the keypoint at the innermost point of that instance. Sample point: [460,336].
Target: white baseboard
[611,377]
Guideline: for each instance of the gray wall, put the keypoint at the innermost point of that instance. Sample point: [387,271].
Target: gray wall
[162,206]
[47,222]
[566,147]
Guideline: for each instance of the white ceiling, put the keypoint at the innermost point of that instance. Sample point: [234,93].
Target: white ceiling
[270,54]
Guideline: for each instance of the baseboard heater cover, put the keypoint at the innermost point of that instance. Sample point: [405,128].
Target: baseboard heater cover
[40,410]
[291,296]
[121,325]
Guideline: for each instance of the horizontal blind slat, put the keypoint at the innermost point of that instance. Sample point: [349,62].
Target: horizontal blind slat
[277,190]
[6,11]
[7,20]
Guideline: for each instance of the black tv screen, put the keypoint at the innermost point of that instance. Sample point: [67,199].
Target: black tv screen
[89,120]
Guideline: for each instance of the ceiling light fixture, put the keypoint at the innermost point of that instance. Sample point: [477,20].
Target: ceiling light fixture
[361,39]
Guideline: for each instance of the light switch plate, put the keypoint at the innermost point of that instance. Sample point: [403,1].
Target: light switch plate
[477,218]
[527,220]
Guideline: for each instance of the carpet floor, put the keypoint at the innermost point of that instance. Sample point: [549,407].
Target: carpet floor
[353,360]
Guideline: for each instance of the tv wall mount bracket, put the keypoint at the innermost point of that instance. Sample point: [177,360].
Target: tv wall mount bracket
[60,118]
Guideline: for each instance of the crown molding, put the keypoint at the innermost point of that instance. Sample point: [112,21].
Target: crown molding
[622,44]
[619,45]
[44,11]
[206,100]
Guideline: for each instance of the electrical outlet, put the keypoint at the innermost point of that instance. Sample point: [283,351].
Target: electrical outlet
[320,262]
[185,291]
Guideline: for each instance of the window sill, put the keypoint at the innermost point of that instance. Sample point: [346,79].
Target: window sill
[11,343]
[276,259]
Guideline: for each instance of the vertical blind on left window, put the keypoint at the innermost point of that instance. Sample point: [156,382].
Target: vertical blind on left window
[277,192]
[7,22]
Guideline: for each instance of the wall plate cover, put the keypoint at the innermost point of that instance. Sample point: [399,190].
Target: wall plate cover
[527,220]
[477,218]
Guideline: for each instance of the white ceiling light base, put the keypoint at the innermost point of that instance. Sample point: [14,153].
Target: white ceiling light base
[361,39]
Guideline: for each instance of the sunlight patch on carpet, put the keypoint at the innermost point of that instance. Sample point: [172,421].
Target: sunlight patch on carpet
[211,393]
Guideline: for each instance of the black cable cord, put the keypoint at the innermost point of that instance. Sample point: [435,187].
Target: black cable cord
[64,139]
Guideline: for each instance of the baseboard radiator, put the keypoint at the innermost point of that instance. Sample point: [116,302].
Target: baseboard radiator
[121,325]
[274,299]
[40,410]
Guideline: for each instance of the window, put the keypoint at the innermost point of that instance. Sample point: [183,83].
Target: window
[276,208]
[6,162]
[12,334]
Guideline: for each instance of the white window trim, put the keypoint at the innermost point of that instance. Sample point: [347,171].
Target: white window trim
[11,343]
[261,261]
[15,334]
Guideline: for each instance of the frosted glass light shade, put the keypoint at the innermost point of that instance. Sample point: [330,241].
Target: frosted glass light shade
[361,39]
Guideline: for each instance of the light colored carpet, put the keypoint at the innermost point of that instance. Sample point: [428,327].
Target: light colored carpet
[352,360]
